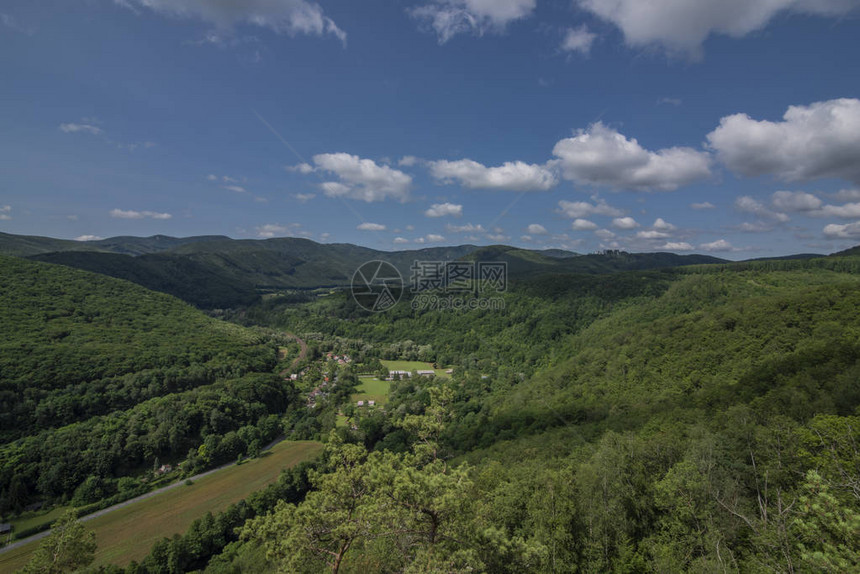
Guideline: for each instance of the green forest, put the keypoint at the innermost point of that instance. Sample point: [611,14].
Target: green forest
[701,418]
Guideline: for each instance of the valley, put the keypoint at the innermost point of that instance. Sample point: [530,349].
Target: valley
[672,418]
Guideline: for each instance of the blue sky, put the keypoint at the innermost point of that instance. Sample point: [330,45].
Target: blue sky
[580,124]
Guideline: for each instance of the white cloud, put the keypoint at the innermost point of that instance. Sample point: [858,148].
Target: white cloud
[578,40]
[847,211]
[362,179]
[677,246]
[661,225]
[468,228]
[419,240]
[131,214]
[847,195]
[537,229]
[682,26]
[371,227]
[795,201]
[624,223]
[270,230]
[236,188]
[821,140]
[846,231]
[447,18]
[303,168]
[290,17]
[335,189]
[212,177]
[499,237]
[304,197]
[4,213]
[583,225]
[652,234]
[511,176]
[602,156]
[580,209]
[703,205]
[88,238]
[407,161]
[718,245]
[604,234]
[434,238]
[74,128]
[444,210]
[400,240]
[747,204]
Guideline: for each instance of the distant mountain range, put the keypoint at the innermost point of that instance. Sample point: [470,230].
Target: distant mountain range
[216,271]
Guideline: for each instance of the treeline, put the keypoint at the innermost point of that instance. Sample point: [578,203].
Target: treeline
[76,344]
[537,317]
[229,418]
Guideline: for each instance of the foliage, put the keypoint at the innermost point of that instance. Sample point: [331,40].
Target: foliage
[70,546]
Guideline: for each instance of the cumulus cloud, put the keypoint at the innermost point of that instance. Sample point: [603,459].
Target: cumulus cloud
[821,140]
[434,238]
[511,176]
[661,225]
[582,209]
[604,234]
[651,234]
[583,225]
[371,227]
[85,128]
[89,238]
[847,195]
[846,231]
[682,26]
[407,161]
[304,197]
[270,230]
[578,40]
[290,17]
[362,179]
[303,168]
[4,213]
[447,18]
[235,188]
[444,210]
[847,211]
[468,228]
[624,223]
[703,205]
[747,204]
[400,240]
[131,214]
[795,201]
[718,245]
[677,246]
[537,229]
[600,155]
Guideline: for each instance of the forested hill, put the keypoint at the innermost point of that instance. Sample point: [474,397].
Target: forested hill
[698,419]
[82,355]
[218,272]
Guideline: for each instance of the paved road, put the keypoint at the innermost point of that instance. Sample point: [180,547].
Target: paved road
[150,494]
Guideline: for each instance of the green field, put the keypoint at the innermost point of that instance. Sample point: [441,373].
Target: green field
[372,389]
[128,533]
[33,519]
[413,366]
